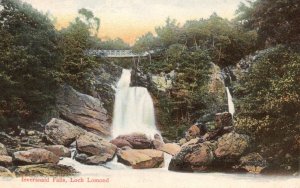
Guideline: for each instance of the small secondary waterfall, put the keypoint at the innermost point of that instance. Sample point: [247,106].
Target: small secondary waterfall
[230,102]
[133,110]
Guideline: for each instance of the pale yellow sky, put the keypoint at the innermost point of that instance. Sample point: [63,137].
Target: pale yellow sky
[129,19]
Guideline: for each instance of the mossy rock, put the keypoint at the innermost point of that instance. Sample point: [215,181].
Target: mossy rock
[45,170]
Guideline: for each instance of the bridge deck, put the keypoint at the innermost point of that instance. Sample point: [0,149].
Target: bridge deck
[117,53]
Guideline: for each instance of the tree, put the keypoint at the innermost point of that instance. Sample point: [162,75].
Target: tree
[74,41]
[92,21]
[275,21]
[29,61]
[112,44]
[169,33]
[146,43]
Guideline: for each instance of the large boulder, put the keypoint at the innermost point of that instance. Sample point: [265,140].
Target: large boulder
[232,146]
[170,148]
[5,160]
[47,170]
[83,110]
[94,145]
[59,150]
[141,159]
[92,160]
[192,132]
[5,172]
[194,157]
[135,140]
[61,132]
[121,143]
[253,163]
[35,156]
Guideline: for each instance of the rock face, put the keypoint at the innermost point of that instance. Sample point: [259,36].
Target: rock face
[61,132]
[121,143]
[135,140]
[253,163]
[223,119]
[141,159]
[3,150]
[192,132]
[93,145]
[195,157]
[35,156]
[5,160]
[83,110]
[46,170]
[59,150]
[104,77]
[5,172]
[231,146]
[216,85]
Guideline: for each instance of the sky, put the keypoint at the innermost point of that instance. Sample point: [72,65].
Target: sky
[129,19]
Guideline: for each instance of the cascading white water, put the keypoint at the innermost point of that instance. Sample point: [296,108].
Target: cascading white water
[230,102]
[133,110]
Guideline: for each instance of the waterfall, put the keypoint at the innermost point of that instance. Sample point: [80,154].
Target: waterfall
[230,102]
[133,109]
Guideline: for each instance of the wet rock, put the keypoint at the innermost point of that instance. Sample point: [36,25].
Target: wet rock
[47,170]
[61,132]
[59,150]
[121,143]
[141,159]
[195,157]
[5,160]
[137,140]
[157,142]
[83,110]
[170,148]
[253,163]
[231,146]
[5,172]
[34,156]
[223,119]
[3,150]
[92,160]
[94,145]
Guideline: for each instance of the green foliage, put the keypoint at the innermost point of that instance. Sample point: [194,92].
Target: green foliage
[74,40]
[146,43]
[112,44]
[169,33]
[90,20]
[270,103]
[227,42]
[276,21]
[29,61]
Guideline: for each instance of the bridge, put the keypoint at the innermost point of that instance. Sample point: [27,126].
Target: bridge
[117,53]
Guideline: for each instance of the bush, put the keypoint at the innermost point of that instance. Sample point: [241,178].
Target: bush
[270,103]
